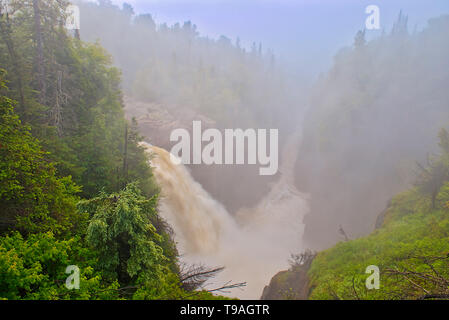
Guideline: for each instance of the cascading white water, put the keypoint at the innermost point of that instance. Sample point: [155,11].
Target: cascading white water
[252,246]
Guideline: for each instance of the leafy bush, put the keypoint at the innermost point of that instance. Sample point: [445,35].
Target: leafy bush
[35,269]
[33,198]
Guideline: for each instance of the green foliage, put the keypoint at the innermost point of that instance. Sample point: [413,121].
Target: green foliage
[432,178]
[62,117]
[411,250]
[122,230]
[79,116]
[443,196]
[398,245]
[32,197]
[174,65]
[356,136]
[35,269]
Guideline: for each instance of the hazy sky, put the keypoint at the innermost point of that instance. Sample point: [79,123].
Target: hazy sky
[307,32]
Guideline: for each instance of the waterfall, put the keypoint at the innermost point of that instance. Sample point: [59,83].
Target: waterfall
[252,245]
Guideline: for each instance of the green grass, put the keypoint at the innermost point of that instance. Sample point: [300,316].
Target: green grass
[411,230]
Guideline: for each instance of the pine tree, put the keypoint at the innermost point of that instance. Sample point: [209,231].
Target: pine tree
[32,198]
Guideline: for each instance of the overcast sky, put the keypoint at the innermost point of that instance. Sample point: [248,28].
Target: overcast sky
[307,32]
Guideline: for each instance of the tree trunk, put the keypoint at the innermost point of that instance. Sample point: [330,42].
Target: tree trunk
[125,158]
[434,199]
[39,53]
[5,29]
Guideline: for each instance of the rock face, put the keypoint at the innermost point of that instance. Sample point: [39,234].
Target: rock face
[381,217]
[156,121]
[294,284]
[290,284]
[235,186]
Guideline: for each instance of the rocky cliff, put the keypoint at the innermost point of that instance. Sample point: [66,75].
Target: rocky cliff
[235,186]
[291,284]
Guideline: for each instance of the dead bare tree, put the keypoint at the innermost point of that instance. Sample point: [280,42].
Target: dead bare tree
[227,286]
[303,259]
[195,276]
[431,283]
[60,99]
[39,53]
[6,31]
[223,289]
[343,233]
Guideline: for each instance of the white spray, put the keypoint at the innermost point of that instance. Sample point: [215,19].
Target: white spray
[252,246]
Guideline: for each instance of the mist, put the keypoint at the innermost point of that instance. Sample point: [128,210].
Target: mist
[304,34]
[252,245]
[356,109]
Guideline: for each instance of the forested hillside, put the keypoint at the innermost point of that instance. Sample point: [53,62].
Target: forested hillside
[182,74]
[410,248]
[378,176]
[176,65]
[75,187]
[78,194]
[371,118]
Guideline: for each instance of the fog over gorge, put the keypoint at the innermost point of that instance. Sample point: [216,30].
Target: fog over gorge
[364,122]
[196,150]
